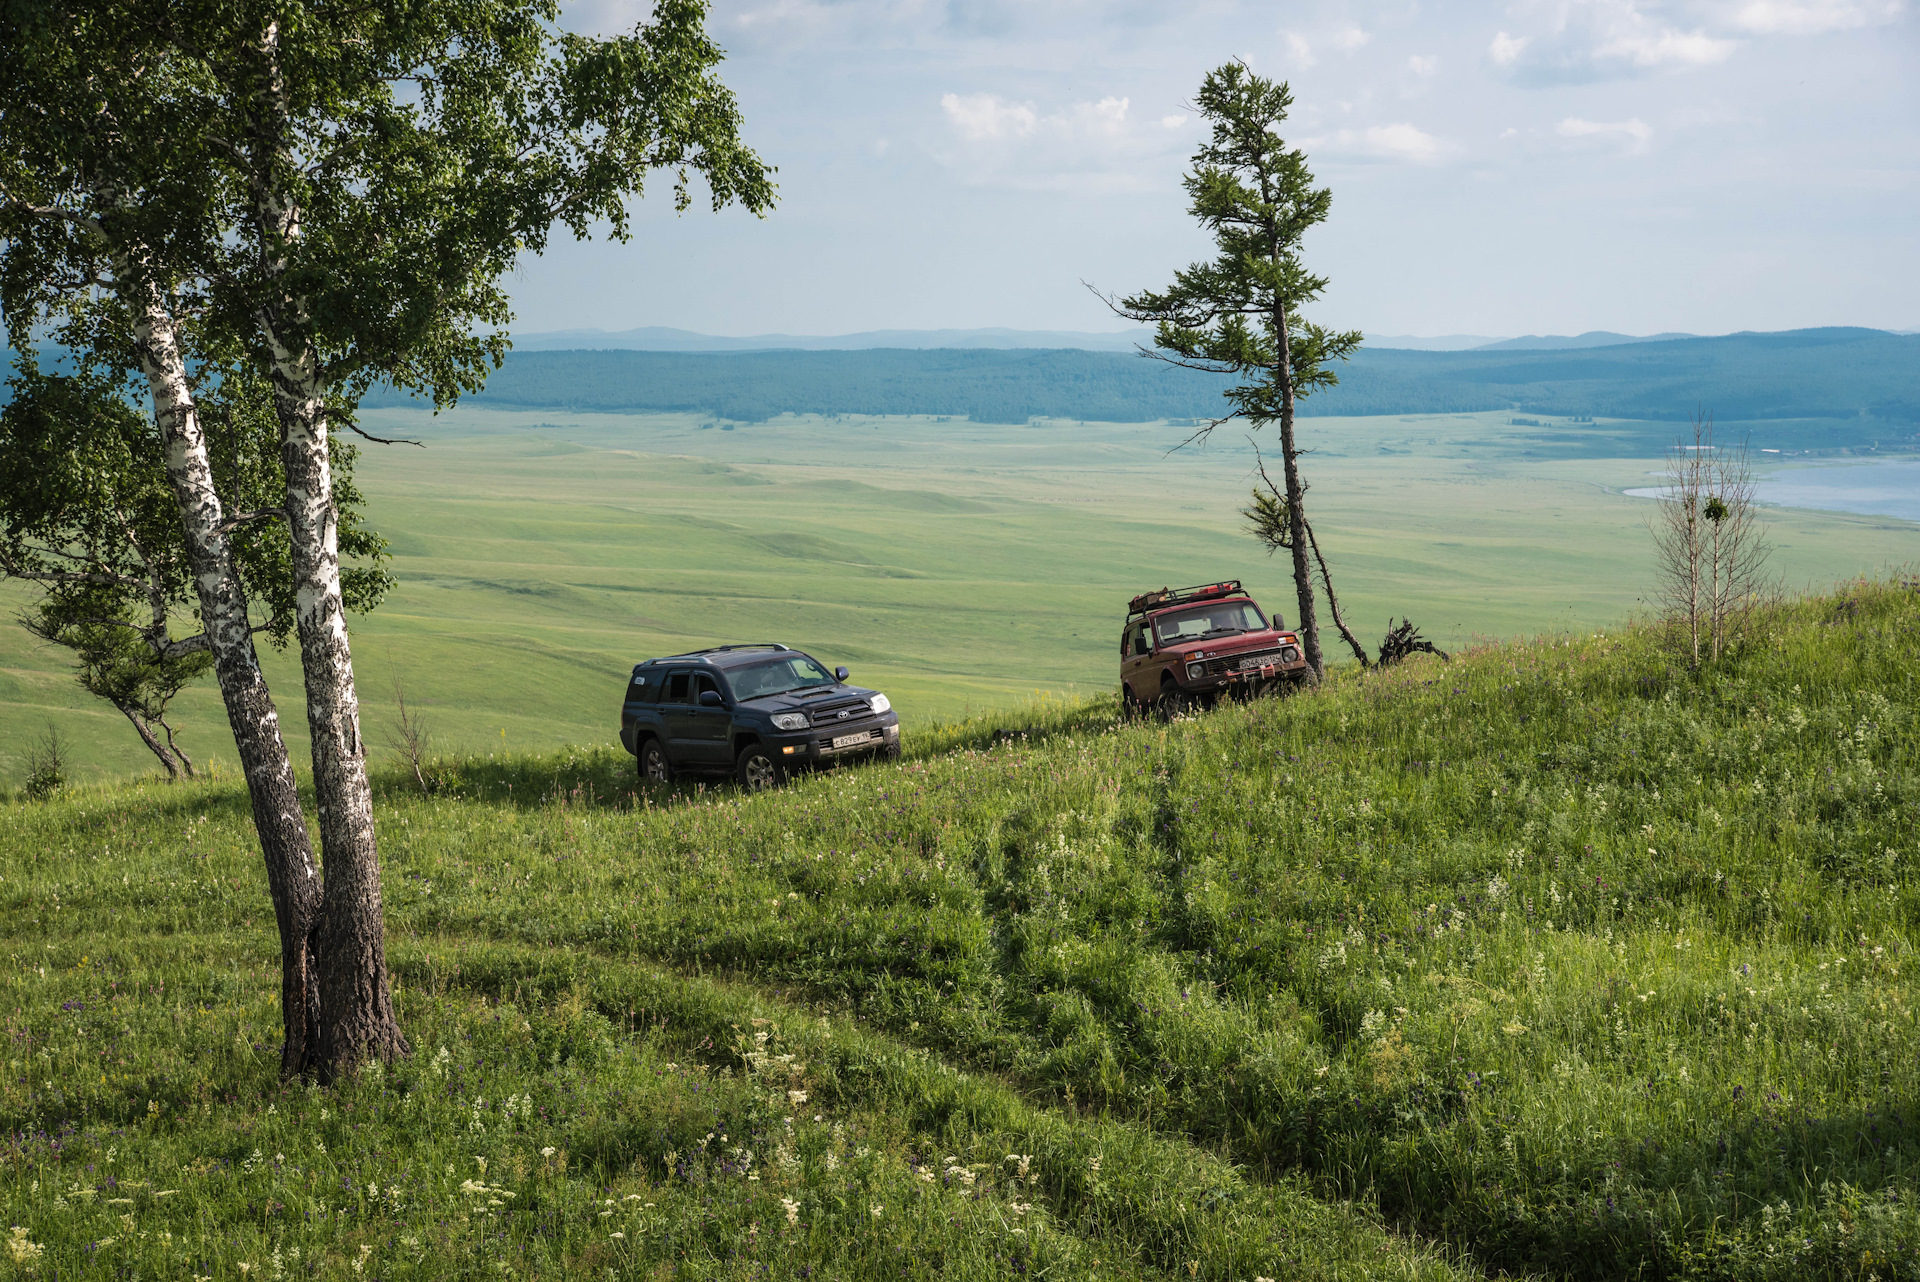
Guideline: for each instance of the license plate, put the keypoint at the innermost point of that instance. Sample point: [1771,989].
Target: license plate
[848,740]
[1256,663]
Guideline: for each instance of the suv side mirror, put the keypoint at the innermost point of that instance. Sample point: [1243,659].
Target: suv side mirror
[711,699]
[840,673]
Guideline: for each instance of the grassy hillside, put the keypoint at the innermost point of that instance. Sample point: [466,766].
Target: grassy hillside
[958,566]
[1550,960]
[1857,386]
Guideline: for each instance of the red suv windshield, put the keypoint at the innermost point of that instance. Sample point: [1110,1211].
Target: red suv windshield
[1224,618]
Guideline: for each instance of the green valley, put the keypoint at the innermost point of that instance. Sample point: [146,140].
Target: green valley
[960,566]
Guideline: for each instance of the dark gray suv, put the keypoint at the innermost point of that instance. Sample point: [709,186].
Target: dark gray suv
[756,712]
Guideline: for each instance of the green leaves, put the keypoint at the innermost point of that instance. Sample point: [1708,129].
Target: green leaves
[1239,312]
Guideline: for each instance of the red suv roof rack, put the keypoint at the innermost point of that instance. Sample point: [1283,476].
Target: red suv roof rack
[1180,596]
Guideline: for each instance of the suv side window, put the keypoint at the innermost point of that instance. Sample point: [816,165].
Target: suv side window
[702,682]
[676,689]
[1141,643]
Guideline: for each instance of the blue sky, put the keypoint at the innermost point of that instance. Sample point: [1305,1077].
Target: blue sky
[1534,167]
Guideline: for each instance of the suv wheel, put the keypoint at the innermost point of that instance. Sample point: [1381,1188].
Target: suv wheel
[654,766]
[759,770]
[1173,702]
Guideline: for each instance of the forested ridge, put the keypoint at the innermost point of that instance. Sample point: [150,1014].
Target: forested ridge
[1841,374]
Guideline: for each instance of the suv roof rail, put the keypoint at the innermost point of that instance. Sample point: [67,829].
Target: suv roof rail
[720,649]
[1180,596]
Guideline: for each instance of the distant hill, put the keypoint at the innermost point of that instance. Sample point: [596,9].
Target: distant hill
[1558,342]
[655,338]
[1436,343]
[1860,377]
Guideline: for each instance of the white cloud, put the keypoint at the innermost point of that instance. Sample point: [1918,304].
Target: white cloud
[982,116]
[1090,145]
[1399,141]
[1423,66]
[1107,118]
[1662,48]
[1579,41]
[1506,50]
[1811,17]
[1347,39]
[1635,132]
[1299,50]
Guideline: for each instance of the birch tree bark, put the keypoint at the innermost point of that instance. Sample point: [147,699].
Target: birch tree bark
[356,1001]
[285,846]
[356,998]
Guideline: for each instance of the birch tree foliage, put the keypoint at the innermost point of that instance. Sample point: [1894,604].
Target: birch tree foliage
[1238,313]
[381,166]
[88,517]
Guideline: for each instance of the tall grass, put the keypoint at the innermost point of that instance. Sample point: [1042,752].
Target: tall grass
[1560,954]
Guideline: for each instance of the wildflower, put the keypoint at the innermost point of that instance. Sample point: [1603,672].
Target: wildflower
[878,1210]
[617,1237]
[798,1097]
[18,1247]
[1094,1162]
[1024,1159]
[633,1197]
[792,1209]
[547,1151]
[481,1162]
[360,1264]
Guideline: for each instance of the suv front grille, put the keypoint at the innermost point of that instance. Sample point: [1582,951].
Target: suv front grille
[1251,661]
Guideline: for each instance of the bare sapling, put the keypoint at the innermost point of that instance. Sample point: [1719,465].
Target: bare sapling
[408,739]
[1709,544]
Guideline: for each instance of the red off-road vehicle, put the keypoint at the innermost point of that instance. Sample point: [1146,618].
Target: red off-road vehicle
[1188,646]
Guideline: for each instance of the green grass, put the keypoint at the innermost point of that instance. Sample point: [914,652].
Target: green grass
[1553,960]
[962,567]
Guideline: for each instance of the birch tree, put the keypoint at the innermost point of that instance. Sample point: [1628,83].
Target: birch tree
[330,194]
[1239,312]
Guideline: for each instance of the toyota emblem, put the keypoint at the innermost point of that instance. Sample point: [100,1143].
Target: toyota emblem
[845,713]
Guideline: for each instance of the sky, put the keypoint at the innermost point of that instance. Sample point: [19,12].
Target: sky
[1544,166]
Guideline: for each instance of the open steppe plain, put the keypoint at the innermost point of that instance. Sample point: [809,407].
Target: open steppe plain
[960,566]
[1555,960]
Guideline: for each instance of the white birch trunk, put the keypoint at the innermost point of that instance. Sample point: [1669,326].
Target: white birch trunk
[356,1002]
[291,876]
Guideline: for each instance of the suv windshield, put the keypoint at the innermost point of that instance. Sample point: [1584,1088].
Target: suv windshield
[777,676]
[1208,620]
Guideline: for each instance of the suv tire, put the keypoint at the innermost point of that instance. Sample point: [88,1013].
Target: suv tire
[1173,702]
[653,763]
[759,770]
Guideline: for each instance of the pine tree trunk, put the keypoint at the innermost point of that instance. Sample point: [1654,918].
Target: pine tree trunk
[158,749]
[356,1000]
[1307,624]
[292,878]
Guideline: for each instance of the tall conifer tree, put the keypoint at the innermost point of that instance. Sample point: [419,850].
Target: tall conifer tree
[1239,313]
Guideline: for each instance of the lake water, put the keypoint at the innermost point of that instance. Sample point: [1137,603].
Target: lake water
[1876,489]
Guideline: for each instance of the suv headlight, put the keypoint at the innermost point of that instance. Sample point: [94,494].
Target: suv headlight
[879,703]
[1196,670]
[789,721]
